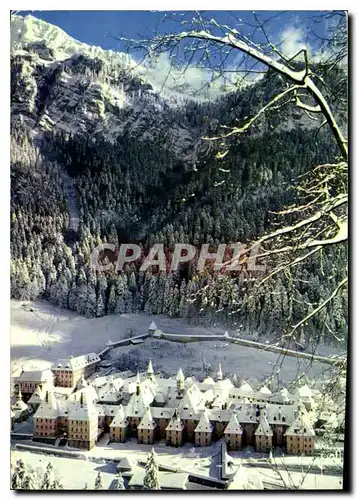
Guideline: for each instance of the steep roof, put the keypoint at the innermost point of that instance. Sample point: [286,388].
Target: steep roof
[150,370]
[48,407]
[82,412]
[265,390]
[119,419]
[152,326]
[175,423]
[180,375]
[192,399]
[245,388]
[233,427]
[301,426]
[88,395]
[204,424]
[264,428]
[304,392]
[147,421]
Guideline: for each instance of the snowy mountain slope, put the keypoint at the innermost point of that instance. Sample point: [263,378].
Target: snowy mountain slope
[58,83]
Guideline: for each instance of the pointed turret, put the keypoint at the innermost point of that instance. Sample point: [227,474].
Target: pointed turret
[150,370]
[152,327]
[219,373]
[180,376]
[180,384]
[138,384]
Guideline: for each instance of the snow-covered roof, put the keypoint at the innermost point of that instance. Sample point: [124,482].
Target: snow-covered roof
[180,375]
[209,381]
[304,392]
[245,388]
[264,428]
[77,363]
[48,407]
[193,399]
[175,423]
[88,395]
[204,424]
[147,421]
[120,418]
[19,405]
[301,426]
[79,411]
[265,390]
[233,427]
[36,376]
[167,480]
[150,370]
[126,464]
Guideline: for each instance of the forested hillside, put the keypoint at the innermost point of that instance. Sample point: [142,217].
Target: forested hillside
[134,187]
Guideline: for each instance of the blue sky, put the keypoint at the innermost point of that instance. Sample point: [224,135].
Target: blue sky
[292,29]
[95,27]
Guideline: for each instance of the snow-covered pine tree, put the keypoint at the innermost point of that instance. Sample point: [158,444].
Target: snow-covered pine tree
[49,478]
[30,482]
[151,480]
[18,475]
[119,482]
[56,485]
[98,485]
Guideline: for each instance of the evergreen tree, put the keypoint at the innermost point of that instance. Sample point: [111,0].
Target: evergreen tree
[30,482]
[18,475]
[49,478]
[151,481]
[98,485]
[119,482]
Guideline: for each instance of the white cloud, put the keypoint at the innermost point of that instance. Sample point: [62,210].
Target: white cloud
[184,81]
[292,41]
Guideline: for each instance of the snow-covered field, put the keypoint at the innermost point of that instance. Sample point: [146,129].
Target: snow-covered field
[42,333]
[201,461]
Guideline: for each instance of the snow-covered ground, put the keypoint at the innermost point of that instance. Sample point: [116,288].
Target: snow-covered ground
[292,471]
[42,333]
[73,474]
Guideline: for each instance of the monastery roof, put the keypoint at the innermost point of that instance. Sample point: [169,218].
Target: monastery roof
[126,464]
[304,392]
[175,424]
[49,408]
[264,428]
[78,362]
[167,480]
[233,427]
[204,424]
[120,418]
[36,375]
[19,405]
[82,412]
[147,421]
[245,388]
[301,426]
[88,394]
[265,390]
